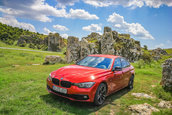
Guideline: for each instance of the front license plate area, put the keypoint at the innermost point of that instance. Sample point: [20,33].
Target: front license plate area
[59,89]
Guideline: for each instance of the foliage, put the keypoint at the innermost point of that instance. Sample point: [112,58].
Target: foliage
[145,47]
[10,35]
[146,56]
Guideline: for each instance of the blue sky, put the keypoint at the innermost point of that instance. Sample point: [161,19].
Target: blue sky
[149,21]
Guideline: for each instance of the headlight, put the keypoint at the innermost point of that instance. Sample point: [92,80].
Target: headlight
[85,84]
[49,77]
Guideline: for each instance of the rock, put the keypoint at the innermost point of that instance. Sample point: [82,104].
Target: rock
[107,42]
[73,49]
[159,51]
[107,29]
[87,48]
[167,75]
[111,42]
[53,59]
[55,42]
[156,53]
[165,104]
[142,109]
[153,86]
[142,95]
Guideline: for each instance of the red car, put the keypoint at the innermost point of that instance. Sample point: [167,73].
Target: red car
[92,78]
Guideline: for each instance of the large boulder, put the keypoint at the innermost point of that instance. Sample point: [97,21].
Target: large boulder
[73,49]
[167,75]
[52,59]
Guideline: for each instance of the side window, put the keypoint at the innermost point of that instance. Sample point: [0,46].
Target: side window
[124,63]
[117,63]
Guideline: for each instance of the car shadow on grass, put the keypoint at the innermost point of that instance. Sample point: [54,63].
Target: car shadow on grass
[80,108]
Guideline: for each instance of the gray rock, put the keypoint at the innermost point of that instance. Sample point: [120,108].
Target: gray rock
[167,75]
[55,42]
[111,42]
[142,109]
[141,95]
[165,104]
[73,49]
[53,59]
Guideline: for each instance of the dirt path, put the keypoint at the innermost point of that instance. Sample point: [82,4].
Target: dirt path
[25,50]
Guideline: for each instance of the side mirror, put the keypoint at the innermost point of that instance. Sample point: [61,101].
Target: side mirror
[117,68]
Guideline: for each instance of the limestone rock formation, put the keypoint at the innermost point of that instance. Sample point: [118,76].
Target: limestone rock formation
[51,59]
[167,75]
[156,53]
[73,49]
[142,109]
[111,42]
[55,42]
[107,42]
[87,48]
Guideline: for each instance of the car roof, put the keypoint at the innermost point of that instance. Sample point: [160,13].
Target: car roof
[106,56]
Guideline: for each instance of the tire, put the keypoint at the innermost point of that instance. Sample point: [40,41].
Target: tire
[131,82]
[100,95]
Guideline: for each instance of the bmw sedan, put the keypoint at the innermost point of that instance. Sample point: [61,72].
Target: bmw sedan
[92,79]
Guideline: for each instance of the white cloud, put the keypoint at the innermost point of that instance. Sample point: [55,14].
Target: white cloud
[46,30]
[9,20]
[129,3]
[92,28]
[64,3]
[81,14]
[160,45]
[40,10]
[168,41]
[135,29]
[60,27]
[34,9]
[64,36]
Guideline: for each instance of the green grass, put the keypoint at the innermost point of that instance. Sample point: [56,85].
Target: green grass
[23,88]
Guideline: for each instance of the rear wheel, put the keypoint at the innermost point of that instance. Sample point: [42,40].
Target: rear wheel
[100,94]
[131,82]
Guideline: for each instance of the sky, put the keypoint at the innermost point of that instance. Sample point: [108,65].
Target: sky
[149,21]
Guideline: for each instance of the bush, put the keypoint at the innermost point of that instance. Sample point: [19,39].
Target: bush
[147,57]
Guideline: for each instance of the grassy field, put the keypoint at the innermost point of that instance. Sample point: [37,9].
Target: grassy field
[23,88]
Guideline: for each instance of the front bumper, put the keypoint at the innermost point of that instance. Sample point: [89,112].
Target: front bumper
[74,93]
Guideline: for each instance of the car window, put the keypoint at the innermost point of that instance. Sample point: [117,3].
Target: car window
[124,63]
[97,62]
[117,63]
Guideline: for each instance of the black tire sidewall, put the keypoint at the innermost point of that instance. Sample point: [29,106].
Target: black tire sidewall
[95,98]
[132,78]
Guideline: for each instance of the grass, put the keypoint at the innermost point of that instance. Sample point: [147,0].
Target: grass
[23,88]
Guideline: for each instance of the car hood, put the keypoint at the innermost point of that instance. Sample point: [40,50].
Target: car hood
[77,73]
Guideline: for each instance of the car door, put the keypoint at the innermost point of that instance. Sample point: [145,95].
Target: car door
[126,71]
[117,75]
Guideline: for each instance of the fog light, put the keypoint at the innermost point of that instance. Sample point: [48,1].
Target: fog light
[85,96]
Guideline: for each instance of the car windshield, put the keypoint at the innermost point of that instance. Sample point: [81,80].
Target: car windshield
[96,62]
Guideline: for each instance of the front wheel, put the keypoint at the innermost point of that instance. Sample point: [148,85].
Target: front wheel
[100,94]
[131,82]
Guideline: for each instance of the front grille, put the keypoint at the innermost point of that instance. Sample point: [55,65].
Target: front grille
[55,81]
[66,84]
